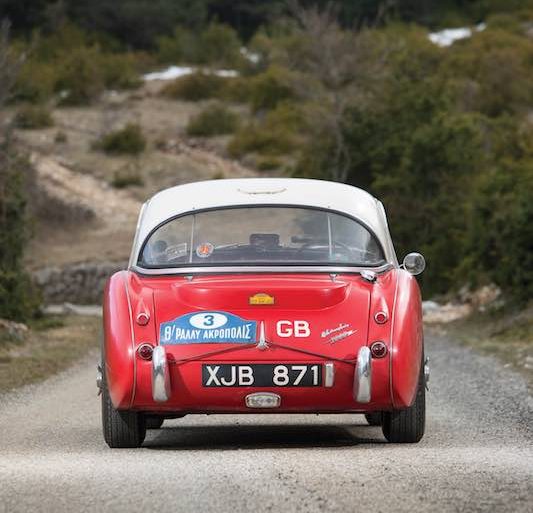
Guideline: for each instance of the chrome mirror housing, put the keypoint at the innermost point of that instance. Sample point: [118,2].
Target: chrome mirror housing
[414,263]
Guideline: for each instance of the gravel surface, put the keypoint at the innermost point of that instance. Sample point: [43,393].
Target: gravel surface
[477,454]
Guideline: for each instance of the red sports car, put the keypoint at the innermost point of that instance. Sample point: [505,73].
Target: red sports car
[263,295]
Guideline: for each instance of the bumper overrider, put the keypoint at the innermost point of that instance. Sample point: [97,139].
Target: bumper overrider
[160,375]
[362,381]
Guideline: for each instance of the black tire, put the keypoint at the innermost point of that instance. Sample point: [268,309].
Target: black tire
[122,429]
[407,426]
[153,421]
[374,419]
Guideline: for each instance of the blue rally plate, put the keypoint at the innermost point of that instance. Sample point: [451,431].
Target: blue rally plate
[208,328]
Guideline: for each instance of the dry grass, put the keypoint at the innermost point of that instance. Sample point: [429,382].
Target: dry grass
[506,335]
[53,344]
[169,160]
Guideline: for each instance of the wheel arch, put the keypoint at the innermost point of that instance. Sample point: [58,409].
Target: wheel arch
[118,342]
[407,341]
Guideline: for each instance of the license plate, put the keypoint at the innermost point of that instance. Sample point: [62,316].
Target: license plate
[261,375]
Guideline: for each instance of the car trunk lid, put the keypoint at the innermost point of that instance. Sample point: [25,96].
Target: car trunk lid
[300,316]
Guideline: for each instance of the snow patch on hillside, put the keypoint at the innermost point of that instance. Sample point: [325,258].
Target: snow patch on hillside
[173,72]
[447,37]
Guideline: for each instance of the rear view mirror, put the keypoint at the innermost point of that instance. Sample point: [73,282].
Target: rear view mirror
[414,263]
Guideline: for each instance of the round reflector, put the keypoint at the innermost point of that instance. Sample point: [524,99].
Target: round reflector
[378,349]
[381,317]
[145,351]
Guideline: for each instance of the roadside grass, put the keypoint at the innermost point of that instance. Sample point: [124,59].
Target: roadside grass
[506,335]
[51,345]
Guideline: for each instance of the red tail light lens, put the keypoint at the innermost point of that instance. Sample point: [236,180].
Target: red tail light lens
[145,351]
[378,349]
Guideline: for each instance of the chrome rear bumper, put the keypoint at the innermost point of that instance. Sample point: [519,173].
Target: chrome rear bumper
[160,375]
[362,380]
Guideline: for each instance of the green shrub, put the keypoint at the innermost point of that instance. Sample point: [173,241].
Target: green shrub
[218,45]
[126,178]
[128,140]
[79,74]
[277,134]
[18,297]
[60,137]
[46,322]
[33,117]
[56,44]
[215,119]
[268,163]
[35,82]
[180,47]
[80,78]
[270,88]
[73,63]
[237,89]
[195,87]
[254,139]
[119,71]
[498,66]
[500,234]
[217,175]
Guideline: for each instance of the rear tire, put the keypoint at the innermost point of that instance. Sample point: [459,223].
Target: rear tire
[407,426]
[153,421]
[374,419]
[122,429]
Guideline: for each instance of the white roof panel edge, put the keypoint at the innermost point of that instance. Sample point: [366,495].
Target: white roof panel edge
[263,191]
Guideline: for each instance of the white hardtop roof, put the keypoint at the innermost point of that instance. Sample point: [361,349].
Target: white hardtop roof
[209,194]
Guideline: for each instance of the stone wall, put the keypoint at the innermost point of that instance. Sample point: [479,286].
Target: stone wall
[79,283]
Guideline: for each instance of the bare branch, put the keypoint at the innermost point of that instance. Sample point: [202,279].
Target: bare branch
[334,70]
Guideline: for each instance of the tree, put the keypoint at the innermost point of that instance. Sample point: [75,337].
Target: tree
[336,67]
[138,23]
[17,299]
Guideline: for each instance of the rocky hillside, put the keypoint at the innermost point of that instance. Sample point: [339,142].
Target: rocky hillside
[86,201]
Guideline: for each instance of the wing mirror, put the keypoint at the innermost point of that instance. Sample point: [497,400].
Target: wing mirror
[414,263]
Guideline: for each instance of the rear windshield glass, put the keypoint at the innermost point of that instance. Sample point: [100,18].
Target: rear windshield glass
[261,236]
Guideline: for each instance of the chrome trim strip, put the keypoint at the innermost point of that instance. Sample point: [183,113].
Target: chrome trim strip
[160,375]
[362,383]
[392,337]
[329,374]
[258,269]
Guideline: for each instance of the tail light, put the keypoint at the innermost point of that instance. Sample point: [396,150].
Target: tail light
[145,351]
[378,349]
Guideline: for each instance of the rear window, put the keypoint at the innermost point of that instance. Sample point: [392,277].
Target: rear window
[261,236]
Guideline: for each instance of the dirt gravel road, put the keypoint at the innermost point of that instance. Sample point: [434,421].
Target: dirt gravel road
[477,454]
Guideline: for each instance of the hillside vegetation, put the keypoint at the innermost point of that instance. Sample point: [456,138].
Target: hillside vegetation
[347,91]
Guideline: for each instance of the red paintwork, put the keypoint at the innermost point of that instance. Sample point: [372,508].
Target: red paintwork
[312,297]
